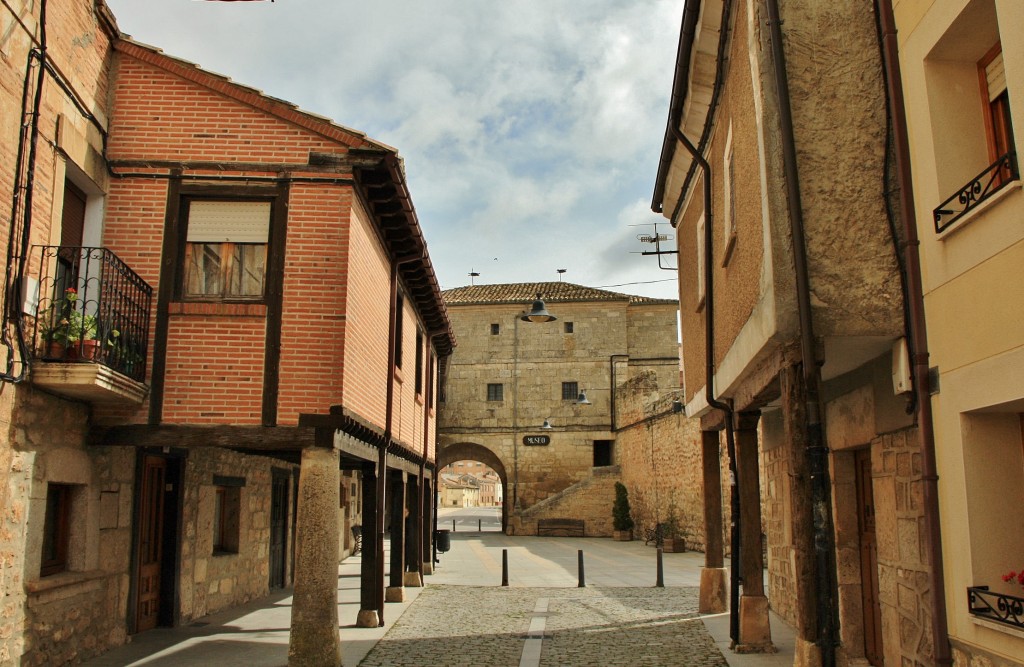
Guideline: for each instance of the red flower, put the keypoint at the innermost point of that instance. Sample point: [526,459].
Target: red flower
[1012,576]
[71,290]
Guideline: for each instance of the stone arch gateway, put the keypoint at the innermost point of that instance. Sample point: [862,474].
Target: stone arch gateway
[471,451]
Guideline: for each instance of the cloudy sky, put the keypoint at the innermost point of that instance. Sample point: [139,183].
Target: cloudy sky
[531,129]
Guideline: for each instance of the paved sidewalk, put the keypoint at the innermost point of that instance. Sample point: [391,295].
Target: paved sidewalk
[618,619]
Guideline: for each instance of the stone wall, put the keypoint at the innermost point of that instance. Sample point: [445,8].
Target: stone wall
[590,500]
[78,613]
[213,581]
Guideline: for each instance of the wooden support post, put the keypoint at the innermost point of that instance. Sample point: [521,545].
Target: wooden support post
[367,617]
[396,492]
[713,588]
[755,631]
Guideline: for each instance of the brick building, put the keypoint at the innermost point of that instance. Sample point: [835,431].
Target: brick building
[220,340]
[509,376]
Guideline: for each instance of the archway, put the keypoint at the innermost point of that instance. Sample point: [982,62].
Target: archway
[471,451]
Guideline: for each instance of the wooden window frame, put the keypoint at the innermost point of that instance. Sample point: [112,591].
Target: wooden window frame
[185,248]
[56,529]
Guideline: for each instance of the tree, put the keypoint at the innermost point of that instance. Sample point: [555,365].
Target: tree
[621,518]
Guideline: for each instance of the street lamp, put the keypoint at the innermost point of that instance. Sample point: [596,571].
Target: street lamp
[538,313]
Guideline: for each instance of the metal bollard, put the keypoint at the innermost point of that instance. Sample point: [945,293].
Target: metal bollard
[504,567]
[660,583]
[479,525]
[453,525]
[583,579]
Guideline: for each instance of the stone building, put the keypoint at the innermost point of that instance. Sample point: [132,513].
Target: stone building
[187,426]
[511,396]
[775,172]
[966,192]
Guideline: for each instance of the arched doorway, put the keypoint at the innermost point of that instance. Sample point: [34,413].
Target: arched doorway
[470,451]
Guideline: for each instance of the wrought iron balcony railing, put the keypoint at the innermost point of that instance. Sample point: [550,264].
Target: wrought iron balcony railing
[981,187]
[998,607]
[92,308]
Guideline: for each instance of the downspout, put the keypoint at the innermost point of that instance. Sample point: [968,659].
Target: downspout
[817,448]
[382,460]
[14,287]
[918,330]
[611,364]
[428,396]
[709,387]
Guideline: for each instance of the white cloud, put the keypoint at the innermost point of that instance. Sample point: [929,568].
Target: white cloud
[531,130]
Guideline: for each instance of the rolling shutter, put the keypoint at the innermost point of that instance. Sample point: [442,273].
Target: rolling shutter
[224,221]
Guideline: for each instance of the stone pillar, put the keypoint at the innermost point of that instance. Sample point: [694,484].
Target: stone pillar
[793,395]
[713,580]
[755,631]
[314,637]
[413,534]
[367,617]
[395,591]
[427,562]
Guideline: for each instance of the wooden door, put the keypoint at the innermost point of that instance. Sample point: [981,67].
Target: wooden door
[278,529]
[868,560]
[151,531]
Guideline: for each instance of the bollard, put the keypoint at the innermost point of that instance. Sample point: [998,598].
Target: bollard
[479,526]
[453,525]
[504,567]
[583,579]
[660,583]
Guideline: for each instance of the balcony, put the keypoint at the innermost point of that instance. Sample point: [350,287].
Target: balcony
[980,188]
[90,328]
[1005,610]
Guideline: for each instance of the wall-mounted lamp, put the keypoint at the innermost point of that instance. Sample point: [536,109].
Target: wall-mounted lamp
[582,398]
[677,406]
[546,426]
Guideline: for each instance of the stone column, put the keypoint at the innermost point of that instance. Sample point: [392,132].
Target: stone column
[427,562]
[794,398]
[414,533]
[713,580]
[395,591]
[367,617]
[755,631]
[314,637]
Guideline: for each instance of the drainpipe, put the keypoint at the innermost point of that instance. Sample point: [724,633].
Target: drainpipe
[918,331]
[14,284]
[428,396]
[709,387]
[611,364]
[817,448]
[382,461]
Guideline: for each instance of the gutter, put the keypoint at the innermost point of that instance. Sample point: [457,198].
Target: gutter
[918,337]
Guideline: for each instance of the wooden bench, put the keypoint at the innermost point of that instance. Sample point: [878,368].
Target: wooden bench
[561,527]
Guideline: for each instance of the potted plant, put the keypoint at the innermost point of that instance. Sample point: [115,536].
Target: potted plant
[62,327]
[622,522]
[675,534]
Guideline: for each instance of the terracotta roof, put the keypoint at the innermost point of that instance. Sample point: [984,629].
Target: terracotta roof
[552,292]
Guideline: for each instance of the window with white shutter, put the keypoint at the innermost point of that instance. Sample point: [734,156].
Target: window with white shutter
[226,249]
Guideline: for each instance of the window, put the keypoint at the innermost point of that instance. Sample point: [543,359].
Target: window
[495,329]
[495,392]
[570,391]
[568,327]
[700,263]
[226,249]
[226,511]
[602,453]
[419,361]
[399,316]
[56,530]
[729,198]
[997,112]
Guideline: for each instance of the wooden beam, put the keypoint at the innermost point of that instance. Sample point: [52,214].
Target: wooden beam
[255,438]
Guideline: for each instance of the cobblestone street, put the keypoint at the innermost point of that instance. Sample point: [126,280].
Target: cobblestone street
[471,625]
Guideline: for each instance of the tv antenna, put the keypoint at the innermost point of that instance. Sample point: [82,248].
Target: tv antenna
[656,239]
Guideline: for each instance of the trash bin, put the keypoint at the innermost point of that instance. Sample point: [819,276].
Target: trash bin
[442,539]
